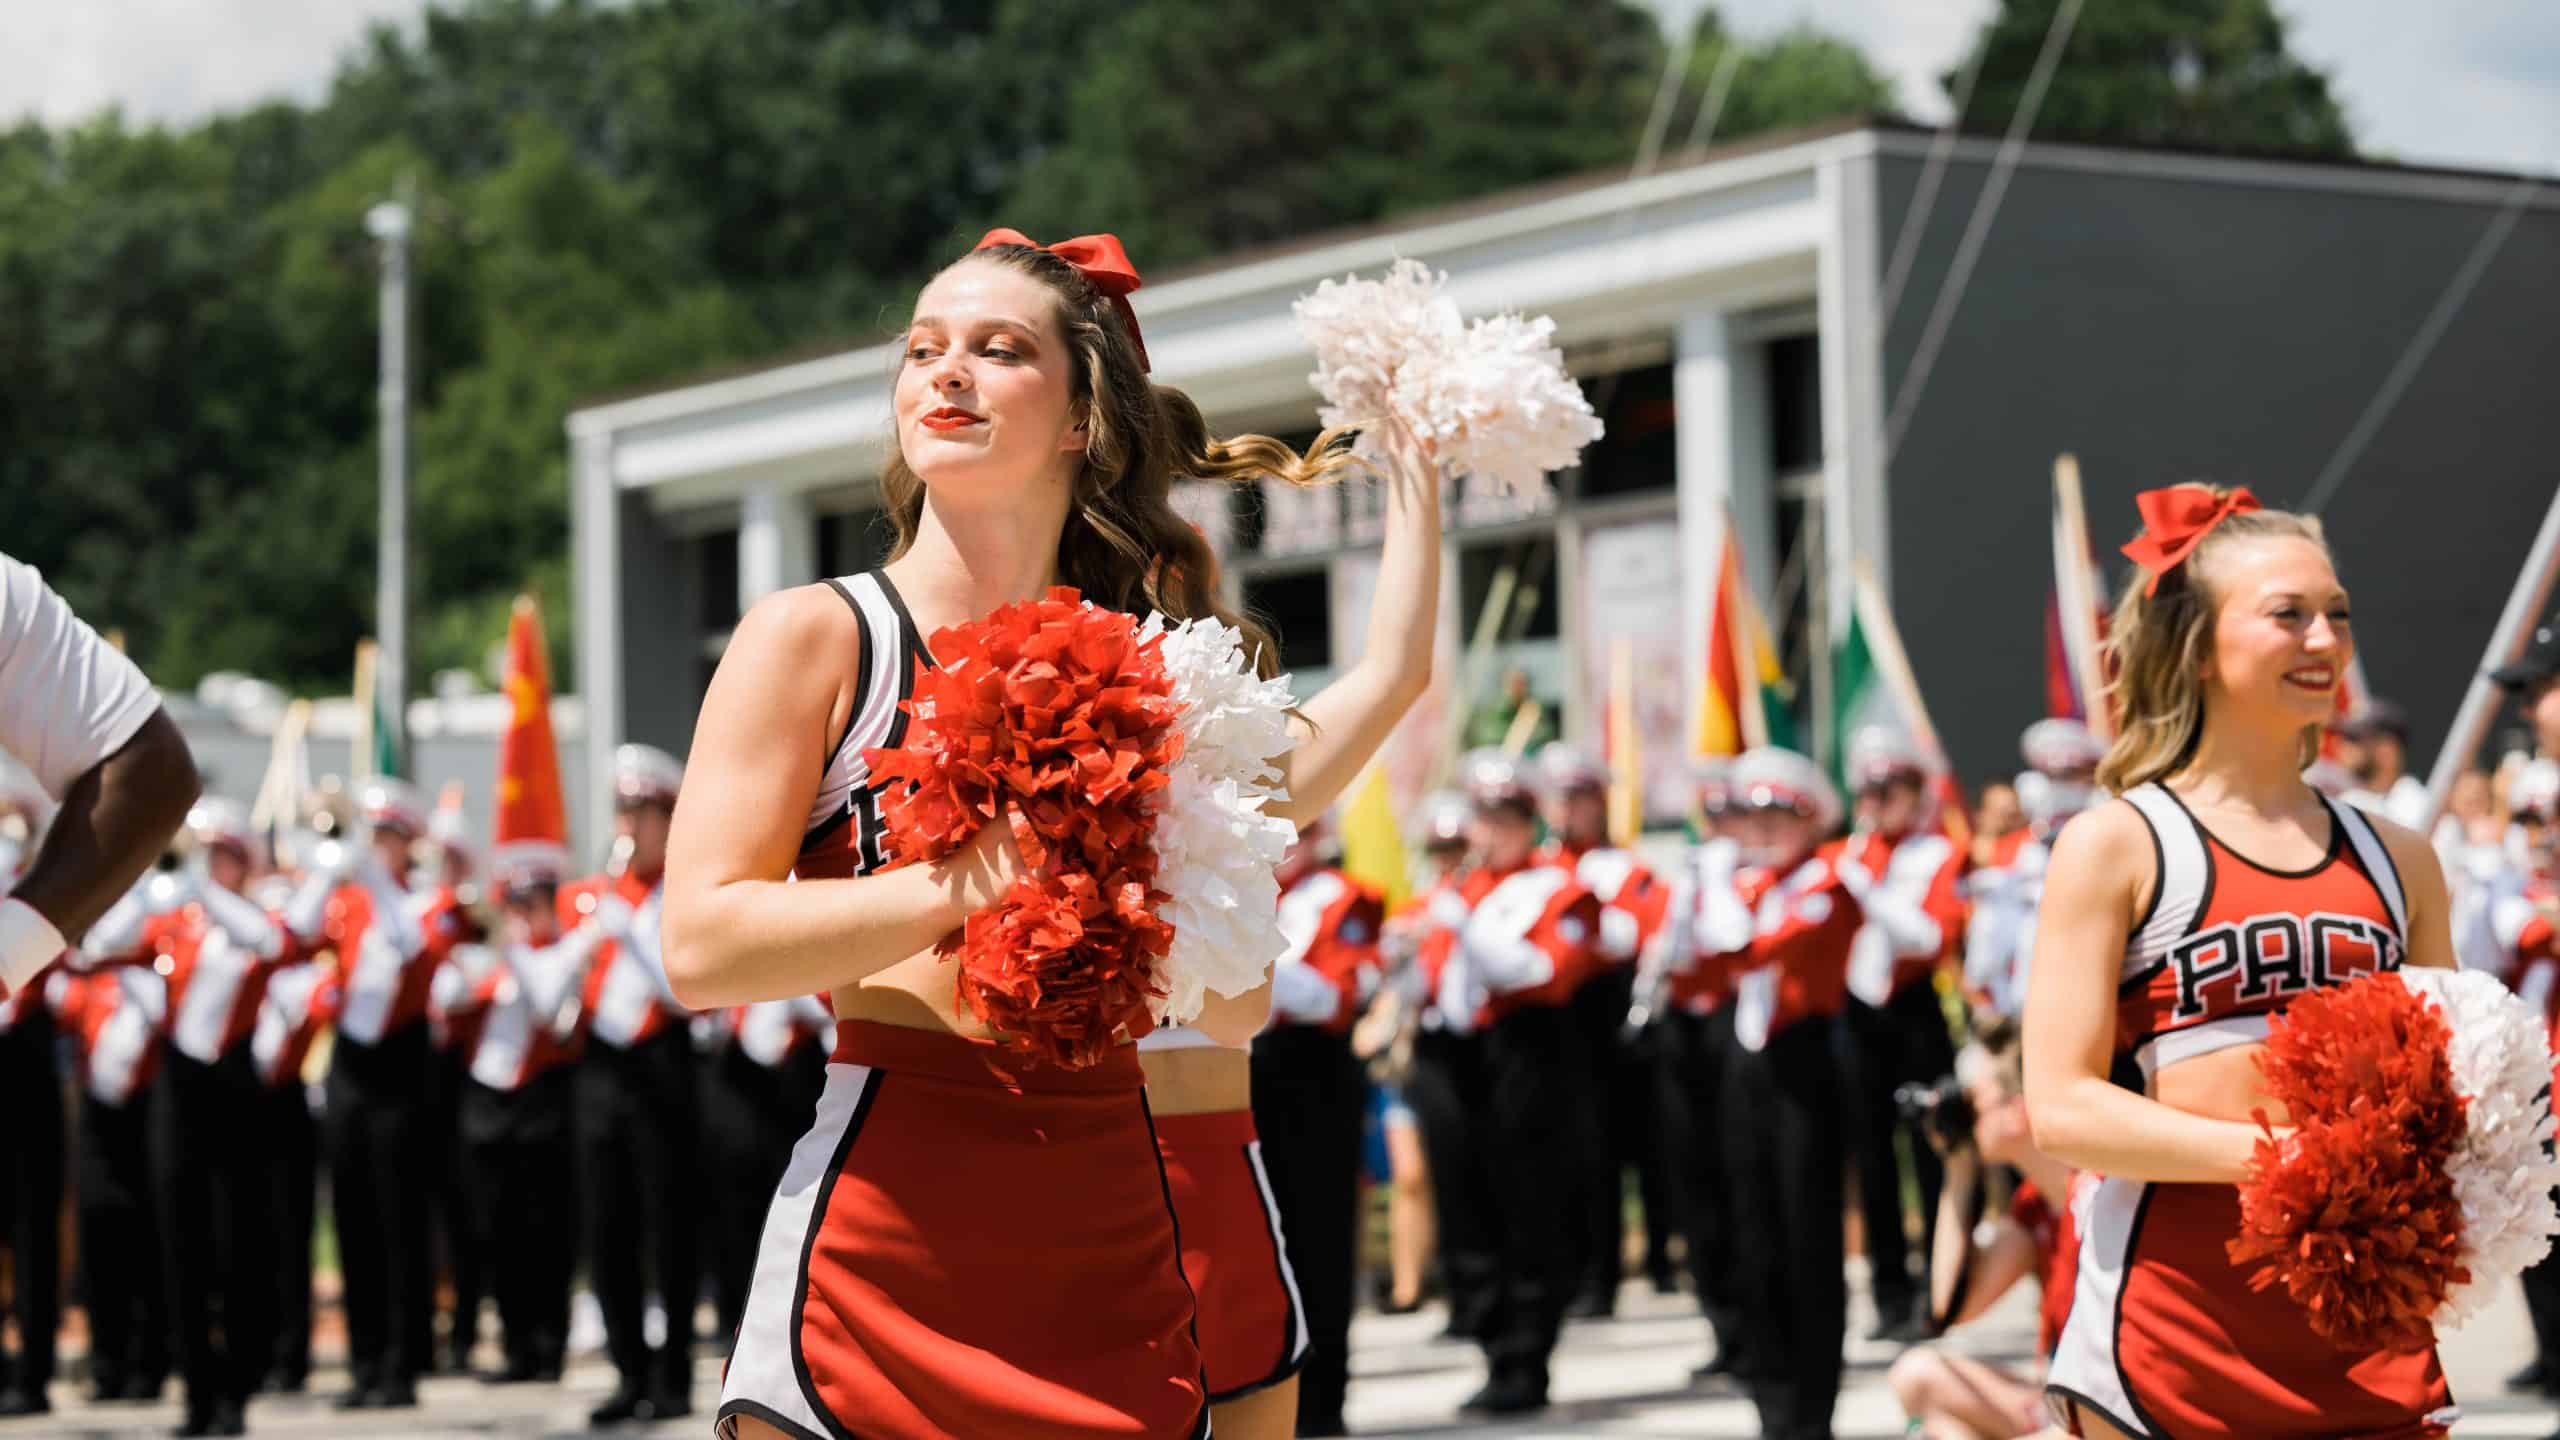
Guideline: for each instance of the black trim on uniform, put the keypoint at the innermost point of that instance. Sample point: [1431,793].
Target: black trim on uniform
[2159,869]
[732,1409]
[2337,837]
[1164,1186]
[809,1244]
[861,676]
[2083,1402]
[2132,1244]
[898,603]
[2399,913]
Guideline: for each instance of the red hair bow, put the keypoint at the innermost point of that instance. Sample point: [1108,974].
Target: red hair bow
[1099,259]
[2175,521]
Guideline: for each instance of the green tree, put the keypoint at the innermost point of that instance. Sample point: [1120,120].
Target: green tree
[2207,73]
[1801,76]
[1193,129]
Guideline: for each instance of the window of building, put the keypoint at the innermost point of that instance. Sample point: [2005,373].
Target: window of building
[1638,451]
[1795,403]
[716,574]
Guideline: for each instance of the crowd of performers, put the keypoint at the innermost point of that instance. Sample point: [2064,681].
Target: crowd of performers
[1735,1028]
[505,1086]
[924,1227]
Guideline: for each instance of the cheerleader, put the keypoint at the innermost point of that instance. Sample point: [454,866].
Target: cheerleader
[967,1243]
[2176,919]
[1781,1101]
[1905,875]
[1619,1134]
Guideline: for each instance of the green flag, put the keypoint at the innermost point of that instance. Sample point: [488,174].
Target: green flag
[1859,696]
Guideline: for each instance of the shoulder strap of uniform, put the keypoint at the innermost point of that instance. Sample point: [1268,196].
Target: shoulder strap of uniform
[2184,886]
[2374,858]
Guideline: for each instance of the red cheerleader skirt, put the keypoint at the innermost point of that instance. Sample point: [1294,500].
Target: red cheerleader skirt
[2165,1337]
[967,1245]
[1253,1329]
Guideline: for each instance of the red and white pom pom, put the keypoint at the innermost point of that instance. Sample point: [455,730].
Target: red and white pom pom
[1217,848]
[1137,762]
[1492,396]
[1058,713]
[2502,1169]
[2354,1214]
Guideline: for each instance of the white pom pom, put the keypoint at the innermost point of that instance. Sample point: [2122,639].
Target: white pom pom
[2502,1171]
[1216,851]
[1493,396]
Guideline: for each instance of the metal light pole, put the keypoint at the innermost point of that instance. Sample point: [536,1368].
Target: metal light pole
[388,222]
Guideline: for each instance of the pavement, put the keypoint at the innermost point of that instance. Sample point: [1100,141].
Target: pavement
[1626,1376]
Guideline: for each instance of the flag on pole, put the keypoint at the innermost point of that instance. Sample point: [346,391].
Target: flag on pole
[1622,747]
[529,803]
[1372,845]
[1744,699]
[371,753]
[2075,612]
[1873,684]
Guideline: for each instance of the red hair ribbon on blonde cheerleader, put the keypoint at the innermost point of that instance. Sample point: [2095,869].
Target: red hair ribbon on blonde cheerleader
[2419,1179]
[2175,521]
[1136,759]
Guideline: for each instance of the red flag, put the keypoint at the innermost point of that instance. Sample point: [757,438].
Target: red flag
[529,805]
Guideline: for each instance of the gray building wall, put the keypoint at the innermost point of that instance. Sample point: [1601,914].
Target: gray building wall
[2174,329]
[662,636]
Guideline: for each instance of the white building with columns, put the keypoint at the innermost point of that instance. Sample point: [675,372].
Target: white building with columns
[1727,316]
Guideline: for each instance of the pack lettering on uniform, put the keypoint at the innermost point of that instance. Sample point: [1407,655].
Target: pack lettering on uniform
[2276,956]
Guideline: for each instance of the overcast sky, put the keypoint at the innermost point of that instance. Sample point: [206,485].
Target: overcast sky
[2475,82]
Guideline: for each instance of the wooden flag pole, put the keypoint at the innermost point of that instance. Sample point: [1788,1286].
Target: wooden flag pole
[2480,703]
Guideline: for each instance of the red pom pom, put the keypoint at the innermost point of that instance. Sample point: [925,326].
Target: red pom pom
[1057,711]
[2354,1214]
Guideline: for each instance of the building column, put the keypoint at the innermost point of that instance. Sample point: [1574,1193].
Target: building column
[1855,522]
[595,530]
[777,542]
[1720,398]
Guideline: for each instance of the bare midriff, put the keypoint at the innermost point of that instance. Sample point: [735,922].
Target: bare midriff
[918,992]
[2224,1085]
[1200,1081]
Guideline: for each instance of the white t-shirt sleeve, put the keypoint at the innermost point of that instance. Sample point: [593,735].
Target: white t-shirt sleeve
[68,699]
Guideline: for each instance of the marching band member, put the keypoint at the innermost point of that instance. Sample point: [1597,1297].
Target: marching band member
[515,1118]
[301,1001]
[357,901]
[639,1126]
[1904,873]
[1781,1101]
[1308,1096]
[1522,937]
[449,866]
[1684,1001]
[2059,782]
[209,1149]
[1620,1130]
[115,1015]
